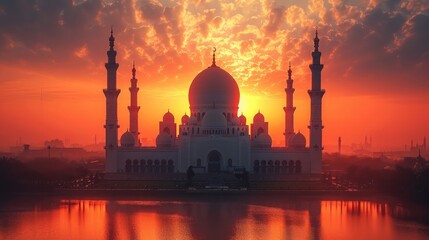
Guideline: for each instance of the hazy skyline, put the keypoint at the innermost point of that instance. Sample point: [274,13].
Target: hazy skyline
[376,58]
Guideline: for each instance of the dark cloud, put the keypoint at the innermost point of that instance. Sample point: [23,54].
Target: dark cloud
[151,11]
[415,47]
[275,20]
[387,42]
[369,54]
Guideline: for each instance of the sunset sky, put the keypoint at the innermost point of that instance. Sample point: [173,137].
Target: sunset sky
[376,56]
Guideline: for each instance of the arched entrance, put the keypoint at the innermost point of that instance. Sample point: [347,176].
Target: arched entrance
[213,159]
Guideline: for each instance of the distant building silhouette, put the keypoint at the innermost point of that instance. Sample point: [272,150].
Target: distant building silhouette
[339,145]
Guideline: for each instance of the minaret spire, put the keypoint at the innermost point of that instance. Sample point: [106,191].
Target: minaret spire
[134,70]
[316,42]
[316,93]
[289,109]
[134,108]
[111,93]
[111,39]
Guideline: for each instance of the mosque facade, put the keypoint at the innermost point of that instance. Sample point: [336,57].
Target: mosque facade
[213,138]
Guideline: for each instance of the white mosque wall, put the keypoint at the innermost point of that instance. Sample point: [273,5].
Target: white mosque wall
[146,155]
[194,151]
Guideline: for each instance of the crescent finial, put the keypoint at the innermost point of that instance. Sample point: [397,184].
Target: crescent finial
[214,56]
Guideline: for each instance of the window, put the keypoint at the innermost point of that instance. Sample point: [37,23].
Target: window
[142,166]
[298,167]
[263,166]
[149,166]
[135,166]
[256,166]
[157,166]
[198,162]
[163,166]
[291,166]
[277,167]
[170,166]
[270,167]
[284,167]
[230,162]
[128,166]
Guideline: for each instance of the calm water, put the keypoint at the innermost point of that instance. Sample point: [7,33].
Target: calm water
[210,218]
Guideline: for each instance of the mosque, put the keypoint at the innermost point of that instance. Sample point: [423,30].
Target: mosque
[213,139]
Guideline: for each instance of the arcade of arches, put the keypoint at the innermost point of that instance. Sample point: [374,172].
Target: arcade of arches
[149,166]
[277,167]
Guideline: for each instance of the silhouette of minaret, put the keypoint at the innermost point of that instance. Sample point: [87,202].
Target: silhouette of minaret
[134,108]
[339,145]
[111,94]
[316,93]
[289,109]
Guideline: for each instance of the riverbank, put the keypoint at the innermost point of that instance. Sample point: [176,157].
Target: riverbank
[172,194]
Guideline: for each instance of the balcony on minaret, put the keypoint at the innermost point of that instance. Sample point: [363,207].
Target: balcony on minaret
[133,108]
[316,93]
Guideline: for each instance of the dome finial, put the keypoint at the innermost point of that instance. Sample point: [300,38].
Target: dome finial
[214,57]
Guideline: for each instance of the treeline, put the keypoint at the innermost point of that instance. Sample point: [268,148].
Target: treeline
[335,161]
[380,175]
[38,174]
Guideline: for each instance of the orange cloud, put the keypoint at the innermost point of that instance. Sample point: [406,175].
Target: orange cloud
[374,49]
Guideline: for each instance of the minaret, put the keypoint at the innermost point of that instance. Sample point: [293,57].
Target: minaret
[111,94]
[316,94]
[134,108]
[289,109]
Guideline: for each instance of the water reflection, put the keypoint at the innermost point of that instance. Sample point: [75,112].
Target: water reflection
[212,218]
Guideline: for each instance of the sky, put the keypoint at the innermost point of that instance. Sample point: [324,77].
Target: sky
[375,52]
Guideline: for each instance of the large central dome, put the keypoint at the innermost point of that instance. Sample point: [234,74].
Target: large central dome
[214,87]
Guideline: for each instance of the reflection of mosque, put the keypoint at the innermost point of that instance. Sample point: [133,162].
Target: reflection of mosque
[213,138]
[215,219]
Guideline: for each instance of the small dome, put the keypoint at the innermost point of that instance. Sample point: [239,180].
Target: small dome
[242,119]
[289,138]
[163,140]
[258,117]
[127,139]
[193,120]
[297,141]
[214,119]
[168,117]
[185,119]
[235,121]
[262,140]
